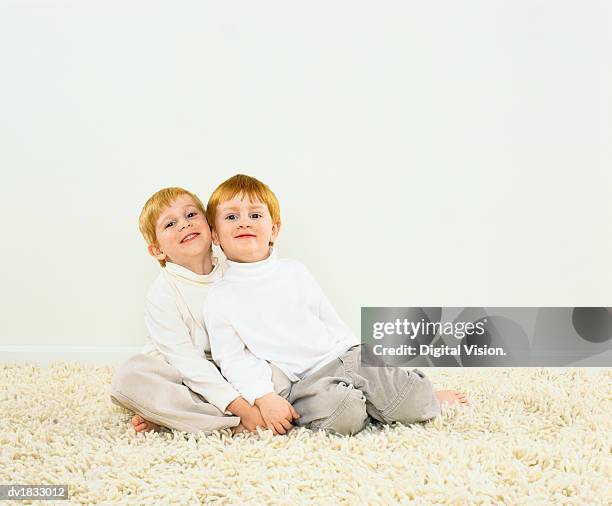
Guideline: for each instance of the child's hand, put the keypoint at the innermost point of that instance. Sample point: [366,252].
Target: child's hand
[251,419]
[276,412]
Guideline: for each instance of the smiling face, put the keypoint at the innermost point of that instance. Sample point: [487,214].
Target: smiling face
[244,229]
[183,236]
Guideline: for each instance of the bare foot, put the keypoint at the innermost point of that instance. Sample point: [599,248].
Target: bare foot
[451,397]
[142,425]
[239,429]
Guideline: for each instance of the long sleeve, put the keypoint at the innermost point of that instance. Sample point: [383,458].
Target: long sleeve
[171,336]
[251,376]
[326,312]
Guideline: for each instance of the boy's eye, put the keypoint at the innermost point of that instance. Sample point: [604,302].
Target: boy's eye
[231,217]
[169,224]
[256,215]
[191,214]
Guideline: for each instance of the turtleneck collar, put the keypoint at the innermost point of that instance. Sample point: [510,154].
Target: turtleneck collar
[239,270]
[185,274]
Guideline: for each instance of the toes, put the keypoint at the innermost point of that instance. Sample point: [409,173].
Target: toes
[460,396]
[145,427]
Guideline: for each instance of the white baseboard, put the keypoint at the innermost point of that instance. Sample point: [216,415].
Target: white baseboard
[44,355]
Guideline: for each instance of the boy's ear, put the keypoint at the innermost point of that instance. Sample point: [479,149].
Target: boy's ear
[154,251]
[275,231]
[215,237]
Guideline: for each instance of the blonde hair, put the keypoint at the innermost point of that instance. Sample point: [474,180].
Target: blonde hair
[155,205]
[241,184]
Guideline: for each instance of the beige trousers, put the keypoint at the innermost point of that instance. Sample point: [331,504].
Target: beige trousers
[150,387]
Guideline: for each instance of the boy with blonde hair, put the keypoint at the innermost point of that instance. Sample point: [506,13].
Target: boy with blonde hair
[173,382]
[270,311]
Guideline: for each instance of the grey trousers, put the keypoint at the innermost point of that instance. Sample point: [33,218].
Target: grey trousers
[154,389]
[342,395]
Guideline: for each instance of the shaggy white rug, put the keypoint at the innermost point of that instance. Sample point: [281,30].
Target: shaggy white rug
[530,436]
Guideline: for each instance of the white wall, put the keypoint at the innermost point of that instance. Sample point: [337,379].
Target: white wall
[425,153]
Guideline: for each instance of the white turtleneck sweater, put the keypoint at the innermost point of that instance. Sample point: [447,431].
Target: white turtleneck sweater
[173,316]
[272,310]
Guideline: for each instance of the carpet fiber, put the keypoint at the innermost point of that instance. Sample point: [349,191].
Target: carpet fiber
[530,436]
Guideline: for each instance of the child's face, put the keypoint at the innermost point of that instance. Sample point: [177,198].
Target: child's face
[244,229]
[183,235]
